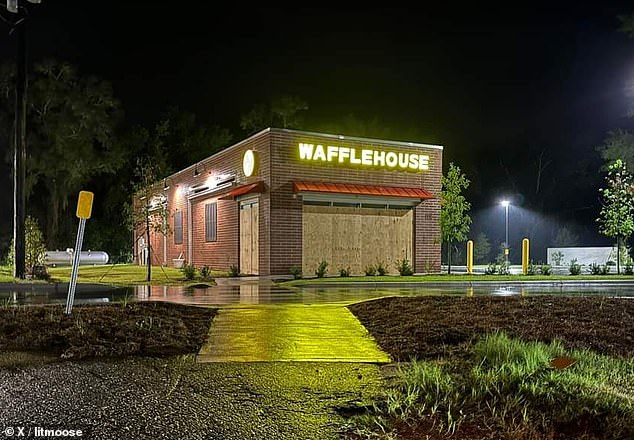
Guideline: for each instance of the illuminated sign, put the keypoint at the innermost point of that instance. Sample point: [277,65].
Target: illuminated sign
[248,163]
[364,157]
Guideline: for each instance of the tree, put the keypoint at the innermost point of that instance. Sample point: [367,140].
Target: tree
[481,248]
[454,220]
[186,141]
[566,237]
[35,249]
[283,111]
[70,132]
[627,24]
[286,110]
[616,219]
[148,212]
[353,125]
[618,145]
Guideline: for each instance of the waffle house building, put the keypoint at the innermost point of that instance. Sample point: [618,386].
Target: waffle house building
[284,198]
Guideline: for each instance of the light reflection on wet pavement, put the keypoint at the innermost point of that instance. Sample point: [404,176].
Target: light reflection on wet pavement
[249,293]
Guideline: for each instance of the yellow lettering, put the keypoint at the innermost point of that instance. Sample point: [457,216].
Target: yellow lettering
[413,161]
[366,157]
[402,160]
[379,158]
[423,162]
[391,159]
[332,152]
[319,153]
[353,157]
[306,151]
[344,152]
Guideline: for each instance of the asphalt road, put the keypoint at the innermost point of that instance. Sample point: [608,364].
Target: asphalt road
[176,398]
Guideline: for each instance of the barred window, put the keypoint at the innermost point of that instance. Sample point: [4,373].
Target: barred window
[211,222]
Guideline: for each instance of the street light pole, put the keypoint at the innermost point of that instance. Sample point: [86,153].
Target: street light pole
[506,204]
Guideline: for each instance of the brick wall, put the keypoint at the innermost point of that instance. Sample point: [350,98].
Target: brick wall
[280,210]
[225,251]
[286,208]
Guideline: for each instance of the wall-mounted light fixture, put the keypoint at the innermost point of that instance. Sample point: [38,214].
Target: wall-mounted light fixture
[196,172]
[166,185]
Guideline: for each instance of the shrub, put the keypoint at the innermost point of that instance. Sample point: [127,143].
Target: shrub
[605,269]
[380,269]
[628,269]
[370,271]
[531,269]
[491,269]
[594,269]
[574,268]
[344,272]
[322,269]
[34,247]
[545,269]
[404,267]
[296,271]
[205,272]
[189,271]
[504,268]
[234,271]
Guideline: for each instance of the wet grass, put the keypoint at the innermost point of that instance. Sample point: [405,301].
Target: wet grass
[116,275]
[112,330]
[447,278]
[507,389]
[125,275]
[478,368]
[6,276]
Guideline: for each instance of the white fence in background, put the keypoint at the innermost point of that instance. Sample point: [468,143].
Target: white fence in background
[585,256]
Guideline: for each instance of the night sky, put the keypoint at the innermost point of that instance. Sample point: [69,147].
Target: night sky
[496,87]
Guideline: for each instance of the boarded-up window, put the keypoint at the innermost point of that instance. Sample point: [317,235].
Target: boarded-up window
[178,227]
[211,222]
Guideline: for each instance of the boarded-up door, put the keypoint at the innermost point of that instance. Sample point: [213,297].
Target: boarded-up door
[355,238]
[249,238]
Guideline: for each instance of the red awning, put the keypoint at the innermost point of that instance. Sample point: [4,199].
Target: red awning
[362,190]
[244,189]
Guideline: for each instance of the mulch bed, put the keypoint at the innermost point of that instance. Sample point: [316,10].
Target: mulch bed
[151,328]
[435,326]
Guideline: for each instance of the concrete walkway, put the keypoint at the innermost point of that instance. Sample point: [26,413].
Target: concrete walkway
[290,332]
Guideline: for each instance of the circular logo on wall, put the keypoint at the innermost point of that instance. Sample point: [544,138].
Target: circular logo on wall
[248,163]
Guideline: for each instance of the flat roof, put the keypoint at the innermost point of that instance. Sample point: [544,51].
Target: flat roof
[308,133]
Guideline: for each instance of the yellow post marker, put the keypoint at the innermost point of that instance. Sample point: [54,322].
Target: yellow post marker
[470,257]
[525,249]
[84,204]
[84,210]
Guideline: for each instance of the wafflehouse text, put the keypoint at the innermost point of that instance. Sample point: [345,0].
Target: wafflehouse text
[364,157]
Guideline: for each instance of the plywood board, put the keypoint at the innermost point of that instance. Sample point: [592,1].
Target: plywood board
[355,238]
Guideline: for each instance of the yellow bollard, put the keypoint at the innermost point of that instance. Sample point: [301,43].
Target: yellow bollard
[470,257]
[525,248]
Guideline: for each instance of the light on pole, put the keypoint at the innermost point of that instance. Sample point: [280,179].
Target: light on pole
[506,204]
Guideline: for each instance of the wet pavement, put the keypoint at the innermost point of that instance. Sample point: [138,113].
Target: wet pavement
[298,332]
[176,398]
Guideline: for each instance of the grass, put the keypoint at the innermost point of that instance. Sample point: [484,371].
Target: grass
[507,388]
[118,275]
[445,278]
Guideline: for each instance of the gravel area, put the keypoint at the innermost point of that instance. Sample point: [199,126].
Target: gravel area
[176,398]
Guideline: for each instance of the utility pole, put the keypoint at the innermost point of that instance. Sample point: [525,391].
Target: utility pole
[19,139]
